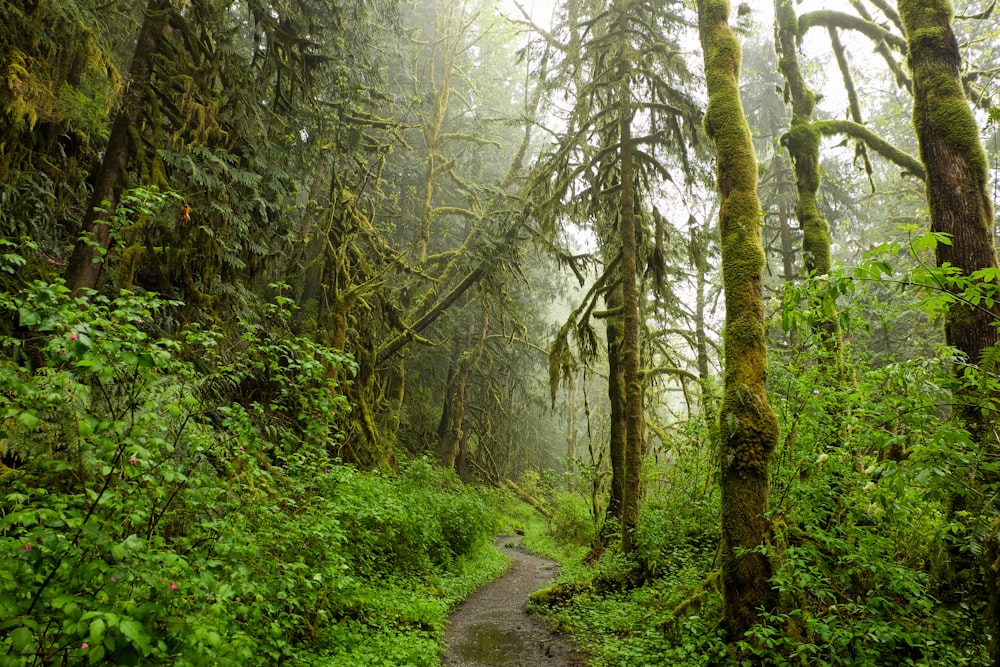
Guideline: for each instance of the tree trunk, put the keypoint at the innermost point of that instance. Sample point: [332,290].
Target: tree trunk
[571,429]
[709,401]
[960,206]
[616,398]
[84,267]
[802,142]
[447,446]
[630,302]
[748,426]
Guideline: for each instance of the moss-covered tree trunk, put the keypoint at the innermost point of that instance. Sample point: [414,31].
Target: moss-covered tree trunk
[748,426]
[957,168]
[616,428]
[802,142]
[630,301]
[960,206]
[84,267]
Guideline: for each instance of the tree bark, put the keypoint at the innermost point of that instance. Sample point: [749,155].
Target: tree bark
[83,269]
[748,426]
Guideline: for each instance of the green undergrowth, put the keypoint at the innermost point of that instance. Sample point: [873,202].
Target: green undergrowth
[859,567]
[876,563]
[163,501]
[612,606]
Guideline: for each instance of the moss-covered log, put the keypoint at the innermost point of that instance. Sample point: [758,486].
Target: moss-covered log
[748,426]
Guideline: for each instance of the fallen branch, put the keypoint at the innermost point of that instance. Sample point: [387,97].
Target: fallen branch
[693,600]
[530,499]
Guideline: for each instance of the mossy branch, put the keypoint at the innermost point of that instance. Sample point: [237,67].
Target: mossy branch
[830,19]
[528,498]
[668,370]
[694,600]
[888,10]
[898,71]
[858,131]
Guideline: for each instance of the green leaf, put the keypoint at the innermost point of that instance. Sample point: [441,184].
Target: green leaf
[95,654]
[133,631]
[28,318]
[29,419]
[97,628]
[20,639]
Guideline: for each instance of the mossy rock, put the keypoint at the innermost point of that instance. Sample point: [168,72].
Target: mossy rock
[560,593]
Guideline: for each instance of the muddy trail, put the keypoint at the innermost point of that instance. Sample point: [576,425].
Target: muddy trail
[492,626]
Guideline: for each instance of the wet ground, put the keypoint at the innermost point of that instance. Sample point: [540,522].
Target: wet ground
[492,626]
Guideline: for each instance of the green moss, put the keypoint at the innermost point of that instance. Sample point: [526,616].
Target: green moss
[748,426]
[715,11]
[953,120]
[941,111]
[802,138]
[785,16]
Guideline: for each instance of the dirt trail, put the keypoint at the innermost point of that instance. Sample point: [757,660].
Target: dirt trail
[492,626]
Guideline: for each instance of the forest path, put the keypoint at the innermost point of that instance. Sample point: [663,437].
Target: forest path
[492,626]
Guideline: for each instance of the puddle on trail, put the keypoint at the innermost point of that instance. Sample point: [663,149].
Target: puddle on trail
[489,645]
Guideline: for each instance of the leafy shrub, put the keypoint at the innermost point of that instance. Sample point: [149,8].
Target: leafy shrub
[109,467]
[143,523]
[571,520]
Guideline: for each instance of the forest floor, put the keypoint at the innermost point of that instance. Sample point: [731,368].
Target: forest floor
[492,626]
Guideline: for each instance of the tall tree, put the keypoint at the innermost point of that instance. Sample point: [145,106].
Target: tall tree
[960,207]
[85,263]
[629,124]
[748,427]
[630,290]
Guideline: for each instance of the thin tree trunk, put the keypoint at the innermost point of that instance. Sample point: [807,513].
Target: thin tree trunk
[748,426]
[709,401]
[630,302]
[571,429]
[84,267]
[616,398]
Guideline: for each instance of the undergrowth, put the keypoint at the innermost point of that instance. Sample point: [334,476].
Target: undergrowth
[874,562]
[166,502]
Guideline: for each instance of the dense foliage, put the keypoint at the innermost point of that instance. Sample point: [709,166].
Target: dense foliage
[147,519]
[281,309]
[869,553]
